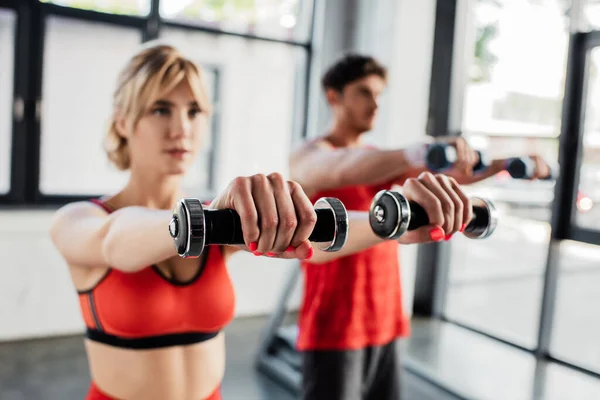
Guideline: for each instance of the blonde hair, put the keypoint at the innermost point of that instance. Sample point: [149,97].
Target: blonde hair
[149,74]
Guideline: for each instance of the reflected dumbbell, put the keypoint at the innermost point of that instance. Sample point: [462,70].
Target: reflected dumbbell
[193,228]
[441,156]
[391,215]
[524,168]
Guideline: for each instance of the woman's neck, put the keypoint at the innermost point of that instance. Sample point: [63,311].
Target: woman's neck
[151,191]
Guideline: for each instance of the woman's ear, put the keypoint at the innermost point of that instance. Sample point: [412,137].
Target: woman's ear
[121,126]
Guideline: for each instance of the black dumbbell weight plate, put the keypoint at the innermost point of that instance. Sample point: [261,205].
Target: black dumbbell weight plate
[338,221]
[187,227]
[389,214]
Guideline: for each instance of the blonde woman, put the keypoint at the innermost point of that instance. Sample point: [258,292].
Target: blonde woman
[154,320]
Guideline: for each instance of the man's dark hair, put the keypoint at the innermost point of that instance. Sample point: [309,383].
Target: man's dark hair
[351,67]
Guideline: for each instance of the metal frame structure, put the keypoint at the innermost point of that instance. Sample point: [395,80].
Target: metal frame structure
[24,189]
[434,260]
[432,272]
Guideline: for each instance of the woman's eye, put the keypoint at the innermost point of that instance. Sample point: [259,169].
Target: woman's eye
[160,111]
[194,112]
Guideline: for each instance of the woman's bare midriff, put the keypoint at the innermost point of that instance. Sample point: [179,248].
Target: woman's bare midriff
[174,373]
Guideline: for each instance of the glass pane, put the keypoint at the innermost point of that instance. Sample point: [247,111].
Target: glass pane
[516,77]
[588,194]
[562,382]
[590,19]
[576,327]
[256,99]
[496,284]
[81,64]
[512,109]
[126,7]
[281,19]
[7,48]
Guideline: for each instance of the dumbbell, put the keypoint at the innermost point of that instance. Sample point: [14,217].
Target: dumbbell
[391,215]
[441,156]
[193,228]
[524,168]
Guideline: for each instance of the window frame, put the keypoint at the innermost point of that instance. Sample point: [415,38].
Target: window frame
[31,15]
[433,262]
[583,44]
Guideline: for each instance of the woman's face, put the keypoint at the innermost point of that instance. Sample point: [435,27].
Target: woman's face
[168,137]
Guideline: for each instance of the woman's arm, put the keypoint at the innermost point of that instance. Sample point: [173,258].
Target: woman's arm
[128,239]
[360,237]
[447,206]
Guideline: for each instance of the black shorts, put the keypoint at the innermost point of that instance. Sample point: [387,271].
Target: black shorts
[372,373]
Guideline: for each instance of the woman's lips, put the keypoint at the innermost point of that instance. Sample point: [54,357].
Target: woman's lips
[178,153]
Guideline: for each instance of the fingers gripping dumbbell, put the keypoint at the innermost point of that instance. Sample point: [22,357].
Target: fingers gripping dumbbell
[441,156]
[193,228]
[391,215]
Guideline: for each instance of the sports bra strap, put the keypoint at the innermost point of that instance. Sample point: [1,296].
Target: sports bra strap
[102,204]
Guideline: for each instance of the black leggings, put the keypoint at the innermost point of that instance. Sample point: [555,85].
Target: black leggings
[372,373]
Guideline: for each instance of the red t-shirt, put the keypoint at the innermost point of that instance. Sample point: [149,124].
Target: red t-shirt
[354,301]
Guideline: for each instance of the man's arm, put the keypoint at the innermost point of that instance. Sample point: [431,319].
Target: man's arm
[495,167]
[541,170]
[320,166]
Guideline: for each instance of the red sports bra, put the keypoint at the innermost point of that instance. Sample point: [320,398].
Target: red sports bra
[146,309]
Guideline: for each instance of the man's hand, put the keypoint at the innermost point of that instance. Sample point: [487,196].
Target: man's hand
[466,157]
[542,169]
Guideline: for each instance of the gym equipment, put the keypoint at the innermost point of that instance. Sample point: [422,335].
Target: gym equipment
[391,215]
[441,156]
[193,227]
[524,168]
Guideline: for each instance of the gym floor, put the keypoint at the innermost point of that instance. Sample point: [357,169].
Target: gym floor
[56,369]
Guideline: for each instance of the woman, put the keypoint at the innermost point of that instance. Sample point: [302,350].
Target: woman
[154,319]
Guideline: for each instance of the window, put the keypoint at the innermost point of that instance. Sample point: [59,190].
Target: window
[512,108]
[575,328]
[256,70]
[516,79]
[78,119]
[126,7]
[590,19]
[81,63]
[257,93]
[7,38]
[588,193]
[280,19]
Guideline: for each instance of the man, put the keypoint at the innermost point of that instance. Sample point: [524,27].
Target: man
[352,311]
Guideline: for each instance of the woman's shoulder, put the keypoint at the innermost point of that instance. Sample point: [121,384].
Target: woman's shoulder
[82,208]
[102,202]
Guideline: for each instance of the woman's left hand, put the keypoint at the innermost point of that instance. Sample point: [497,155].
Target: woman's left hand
[277,217]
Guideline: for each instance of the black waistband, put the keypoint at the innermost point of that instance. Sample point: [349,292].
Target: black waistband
[151,342]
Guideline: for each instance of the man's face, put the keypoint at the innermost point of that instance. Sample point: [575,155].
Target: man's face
[357,105]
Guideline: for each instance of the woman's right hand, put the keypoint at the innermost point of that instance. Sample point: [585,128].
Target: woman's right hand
[277,217]
[448,207]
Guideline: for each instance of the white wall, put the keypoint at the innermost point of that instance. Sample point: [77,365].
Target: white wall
[36,296]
